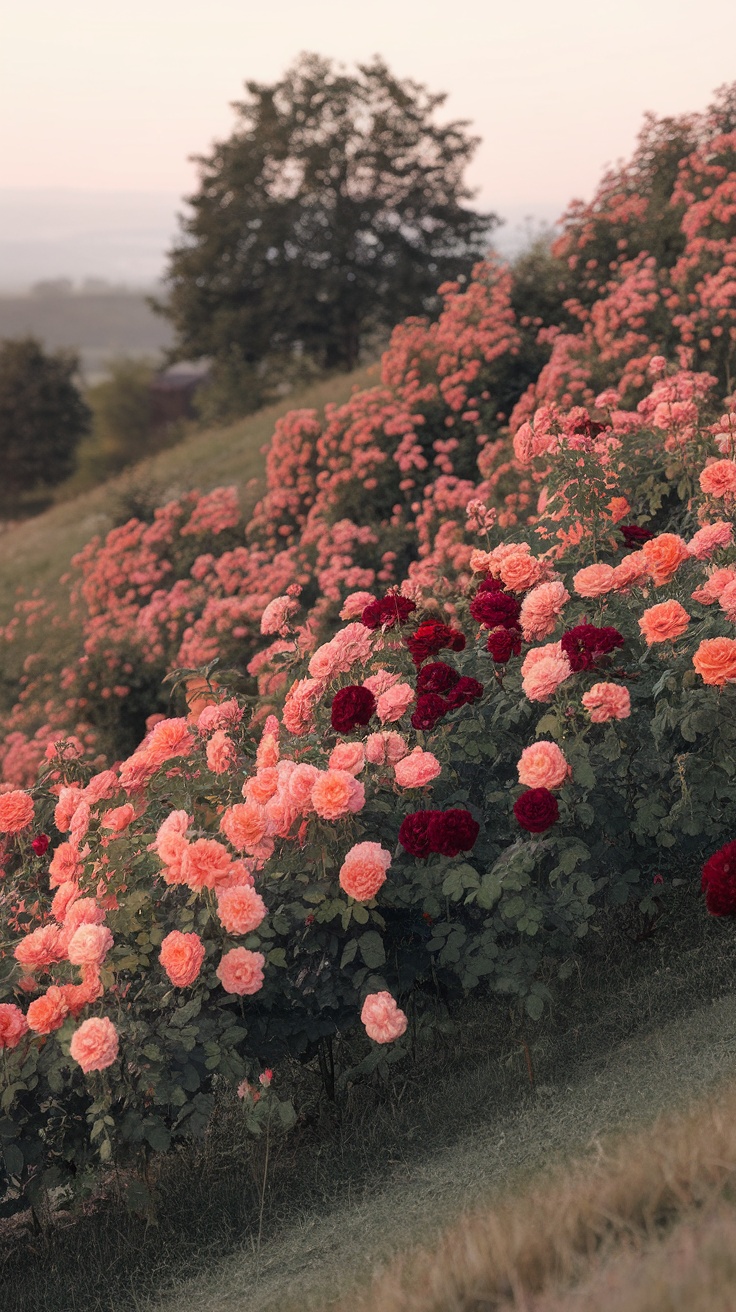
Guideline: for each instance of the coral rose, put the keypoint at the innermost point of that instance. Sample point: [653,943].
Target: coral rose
[543,670]
[664,555]
[632,570]
[95,1044]
[16,811]
[48,1012]
[205,863]
[181,956]
[540,609]
[383,1019]
[13,1025]
[347,756]
[715,661]
[594,580]
[89,945]
[245,826]
[64,865]
[520,571]
[543,765]
[719,478]
[664,623]
[40,948]
[222,754]
[607,701]
[299,786]
[536,810]
[241,909]
[385,748]
[118,818]
[710,538]
[417,769]
[394,702]
[336,793]
[364,870]
[241,971]
[718,882]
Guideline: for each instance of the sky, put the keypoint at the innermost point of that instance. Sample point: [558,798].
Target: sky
[102,103]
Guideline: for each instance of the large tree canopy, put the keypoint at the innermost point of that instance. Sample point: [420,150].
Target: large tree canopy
[333,211]
[42,416]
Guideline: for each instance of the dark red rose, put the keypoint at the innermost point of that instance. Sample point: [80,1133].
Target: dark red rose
[586,645]
[352,706]
[386,611]
[536,810]
[492,609]
[429,710]
[437,677]
[633,535]
[414,832]
[465,692]
[452,831]
[584,426]
[504,643]
[489,584]
[40,844]
[431,637]
[718,882]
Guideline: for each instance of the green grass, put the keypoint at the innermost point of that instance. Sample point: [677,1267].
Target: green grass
[35,553]
[636,1033]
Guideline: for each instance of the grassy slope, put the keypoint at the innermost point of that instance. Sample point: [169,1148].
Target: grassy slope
[635,1043]
[35,553]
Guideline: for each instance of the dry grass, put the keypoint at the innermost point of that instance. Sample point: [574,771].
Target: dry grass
[36,552]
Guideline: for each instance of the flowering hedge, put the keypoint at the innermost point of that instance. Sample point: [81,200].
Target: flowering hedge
[488,708]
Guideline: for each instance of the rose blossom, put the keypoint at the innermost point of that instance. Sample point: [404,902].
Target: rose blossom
[520,571]
[13,1025]
[276,616]
[416,769]
[536,810]
[664,555]
[383,1019]
[543,765]
[632,570]
[354,605]
[594,580]
[41,948]
[347,756]
[118,818]
[719,478]
[241,971]
[380,682]
[709,538]
[64,865]
[48,1012]
[607,701]
[205,863]
[727,602]
[714,586]
[336,793]
[262,786]
[351,707]
[664,623]
[241,909]
[451,832]
[89,945]
[301,699]
[715,661]
[245,826]
[540,608]
[543,670]
[222,754]
[393,703]
[718,882]
[181,956]
[16,811]
[437,677]
[95,1044]
[364,870]
[385,748]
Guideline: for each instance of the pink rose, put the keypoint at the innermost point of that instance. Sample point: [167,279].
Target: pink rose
[543,765]
[594,580]
[241,971]
[607,701]
[416,769]
[383,1019]
[364,870]
[95,1044]
[393,703]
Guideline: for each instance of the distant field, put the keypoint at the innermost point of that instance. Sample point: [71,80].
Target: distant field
[37,552]
[98,325]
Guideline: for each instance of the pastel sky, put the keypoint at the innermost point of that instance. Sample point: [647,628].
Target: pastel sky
[97,96]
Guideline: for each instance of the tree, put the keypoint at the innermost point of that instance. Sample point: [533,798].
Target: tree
[42,415]
[333,211]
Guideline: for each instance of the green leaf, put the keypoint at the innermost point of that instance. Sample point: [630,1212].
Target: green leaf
[534,1006]
[371,949]
[349,951]
[13,1158]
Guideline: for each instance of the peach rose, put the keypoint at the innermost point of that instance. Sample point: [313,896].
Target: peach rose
[385,748]
[167,739]
[118,818]
[540,608]
[383,1019]
[480,561]
[664,623]
[222,754]
[205,863]
[542,676]
[727,602]
[13,1025]
[245,826]
[171,836]
[95,1044]
[181,956]
[594,580]
[16,811]
[301,699]
[48,1012]
[267,752]
[416,769]
[714,586]
[41,948]
[65,865]
[241,909]
[380,682]
[354,605]
[262,786]
[347,756]
[70,795]
[83,911]
[393,703]
[520,571]
[336,793]
[664,555]
[63,898]
[709,538]
[632,570]
[715,661]
[299,787]
[607,701]
[364,870]
[719,478]
[241,971]
[543,765]
[89,945]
